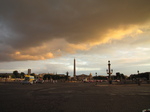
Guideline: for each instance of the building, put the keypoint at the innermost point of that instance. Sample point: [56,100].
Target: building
[29,71]
[83,77]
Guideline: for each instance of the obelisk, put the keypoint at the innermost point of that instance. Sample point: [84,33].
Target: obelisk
[74,70]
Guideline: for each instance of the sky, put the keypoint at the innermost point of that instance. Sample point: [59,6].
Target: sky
[46,36]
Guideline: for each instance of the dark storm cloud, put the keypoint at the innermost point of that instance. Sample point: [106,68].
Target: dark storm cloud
[30,23]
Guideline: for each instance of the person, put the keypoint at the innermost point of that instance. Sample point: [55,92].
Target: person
[139,81]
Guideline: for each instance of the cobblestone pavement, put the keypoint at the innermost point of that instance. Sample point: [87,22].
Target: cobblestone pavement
[74,97]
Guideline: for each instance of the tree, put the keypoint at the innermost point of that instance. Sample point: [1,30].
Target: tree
[22,74]
[120,75]
[54,77]
[16,74]
[33,74]
[4,75]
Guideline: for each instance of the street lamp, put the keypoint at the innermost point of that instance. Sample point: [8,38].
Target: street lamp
[96,78]
[67,73]
[109,72]
[139,79]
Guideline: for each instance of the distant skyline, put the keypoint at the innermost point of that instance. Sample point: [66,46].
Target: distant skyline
[45,36]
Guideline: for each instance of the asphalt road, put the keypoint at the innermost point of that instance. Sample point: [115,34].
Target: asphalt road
[73,97]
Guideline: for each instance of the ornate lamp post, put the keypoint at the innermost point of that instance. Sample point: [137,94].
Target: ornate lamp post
[109,72]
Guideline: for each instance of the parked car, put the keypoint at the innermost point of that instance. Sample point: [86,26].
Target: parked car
[40,81]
